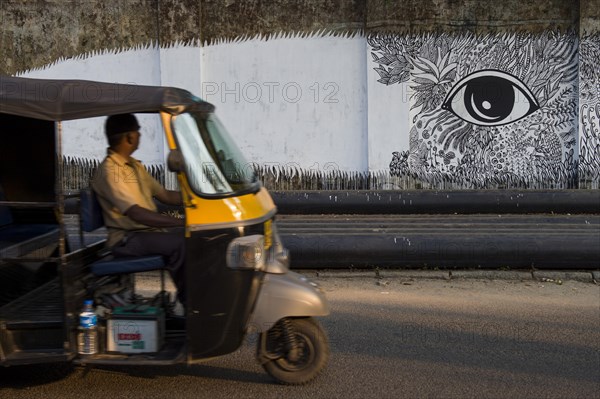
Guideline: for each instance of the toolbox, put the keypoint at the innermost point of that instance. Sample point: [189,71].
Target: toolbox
[135,329]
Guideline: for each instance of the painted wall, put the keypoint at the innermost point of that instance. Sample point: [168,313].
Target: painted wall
[481,97]
[482,110]
[589,110]
[444,110]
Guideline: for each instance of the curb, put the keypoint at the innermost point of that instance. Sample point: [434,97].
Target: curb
[415,274]
[491,275]
[584,277]
[376,274]
[508,275]
[338,273]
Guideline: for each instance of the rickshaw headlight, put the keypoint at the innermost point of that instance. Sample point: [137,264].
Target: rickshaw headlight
[278,257]
[247,253]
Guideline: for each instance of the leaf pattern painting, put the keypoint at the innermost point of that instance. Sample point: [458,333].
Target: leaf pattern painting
[493,108]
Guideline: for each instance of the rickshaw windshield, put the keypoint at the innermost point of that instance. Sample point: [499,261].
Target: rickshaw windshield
[213,163]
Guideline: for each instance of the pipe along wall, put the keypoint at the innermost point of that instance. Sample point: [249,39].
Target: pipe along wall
[441,229]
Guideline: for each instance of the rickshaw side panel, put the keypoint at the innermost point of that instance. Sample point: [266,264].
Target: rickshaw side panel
[32,328]
[220,299]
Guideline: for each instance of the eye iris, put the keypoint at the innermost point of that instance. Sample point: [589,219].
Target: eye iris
[489,98]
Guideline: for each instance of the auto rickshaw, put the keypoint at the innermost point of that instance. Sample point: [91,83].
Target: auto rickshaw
[237,270]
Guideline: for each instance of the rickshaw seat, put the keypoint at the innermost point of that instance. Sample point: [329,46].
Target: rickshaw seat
[17,239]
[91,219]
[5,214]
[91,211]
[127,265]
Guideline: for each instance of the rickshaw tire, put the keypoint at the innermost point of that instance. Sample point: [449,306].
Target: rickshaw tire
[314,353]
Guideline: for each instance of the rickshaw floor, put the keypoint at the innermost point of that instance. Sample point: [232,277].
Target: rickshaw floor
[41,307]
[172,352]
[36,356]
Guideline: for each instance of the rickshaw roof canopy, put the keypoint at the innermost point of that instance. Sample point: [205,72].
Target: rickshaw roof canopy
[61,100]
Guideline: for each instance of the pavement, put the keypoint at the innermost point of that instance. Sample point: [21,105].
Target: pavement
[392,336]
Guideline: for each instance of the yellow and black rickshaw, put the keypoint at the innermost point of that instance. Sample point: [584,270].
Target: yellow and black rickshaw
[237,272]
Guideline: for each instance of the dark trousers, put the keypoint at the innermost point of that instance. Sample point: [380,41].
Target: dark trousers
[170,244]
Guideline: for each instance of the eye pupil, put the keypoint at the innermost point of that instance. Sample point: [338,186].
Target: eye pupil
[489,98]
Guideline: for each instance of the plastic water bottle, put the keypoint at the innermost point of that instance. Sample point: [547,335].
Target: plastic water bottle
[87,339]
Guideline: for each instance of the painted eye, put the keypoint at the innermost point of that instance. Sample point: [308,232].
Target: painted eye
[490,98]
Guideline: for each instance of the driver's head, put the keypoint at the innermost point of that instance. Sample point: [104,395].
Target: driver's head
[117,127]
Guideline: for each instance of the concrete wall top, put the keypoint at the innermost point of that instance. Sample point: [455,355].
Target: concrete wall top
[590,16]
[236,18]
[36,33]
[473,15]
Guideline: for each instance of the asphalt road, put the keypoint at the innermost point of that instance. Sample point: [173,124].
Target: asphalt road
[390,338]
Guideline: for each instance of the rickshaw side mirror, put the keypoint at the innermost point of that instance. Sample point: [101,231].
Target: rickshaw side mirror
[175,161]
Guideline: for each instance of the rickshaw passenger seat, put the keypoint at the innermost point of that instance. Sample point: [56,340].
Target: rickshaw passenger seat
[5,215]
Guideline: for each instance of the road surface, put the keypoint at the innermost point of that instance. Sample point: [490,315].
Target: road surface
[390,338]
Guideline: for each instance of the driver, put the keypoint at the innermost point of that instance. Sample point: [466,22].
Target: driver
[126,193]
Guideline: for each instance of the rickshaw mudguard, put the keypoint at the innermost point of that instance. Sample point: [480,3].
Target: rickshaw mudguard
[286,295]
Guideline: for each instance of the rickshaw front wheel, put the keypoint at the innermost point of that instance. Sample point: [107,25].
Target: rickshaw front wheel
[295,350]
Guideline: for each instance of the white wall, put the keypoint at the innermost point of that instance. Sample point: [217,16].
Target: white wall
[85,138]
[388,121]
[292,101]
[316,102]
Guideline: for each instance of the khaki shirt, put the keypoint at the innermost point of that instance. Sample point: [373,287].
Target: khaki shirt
[119,184]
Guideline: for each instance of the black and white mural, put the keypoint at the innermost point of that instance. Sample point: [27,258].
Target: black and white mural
[498,110]
[397,111]
[589,111]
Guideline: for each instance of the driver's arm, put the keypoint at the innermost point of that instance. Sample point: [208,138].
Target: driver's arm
[153,219]
[169,197]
